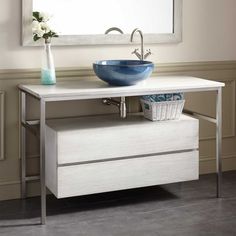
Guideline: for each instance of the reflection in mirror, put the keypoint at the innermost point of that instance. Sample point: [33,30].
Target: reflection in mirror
[68,18]
[85,22]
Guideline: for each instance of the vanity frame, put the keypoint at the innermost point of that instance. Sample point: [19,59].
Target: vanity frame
[96,89]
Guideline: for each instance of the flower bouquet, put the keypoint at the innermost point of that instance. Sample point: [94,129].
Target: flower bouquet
[41,30]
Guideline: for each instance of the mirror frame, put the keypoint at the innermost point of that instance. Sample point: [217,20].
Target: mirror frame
[109,39]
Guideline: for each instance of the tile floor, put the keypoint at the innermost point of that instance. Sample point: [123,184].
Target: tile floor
[183,209]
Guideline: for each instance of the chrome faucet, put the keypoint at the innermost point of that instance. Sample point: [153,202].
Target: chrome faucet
[141,55]
[114,29]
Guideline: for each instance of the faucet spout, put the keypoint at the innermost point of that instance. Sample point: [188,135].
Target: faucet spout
[141,36]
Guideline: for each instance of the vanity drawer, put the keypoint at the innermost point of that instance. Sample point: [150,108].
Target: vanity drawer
[105,137]
[114,175]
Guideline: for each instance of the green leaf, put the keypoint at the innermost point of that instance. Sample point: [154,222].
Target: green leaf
[36,15]
[54,34]
[36,37]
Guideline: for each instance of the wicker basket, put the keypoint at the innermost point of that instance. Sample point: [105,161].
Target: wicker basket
[168,110]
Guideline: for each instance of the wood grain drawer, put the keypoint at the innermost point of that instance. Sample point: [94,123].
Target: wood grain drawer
[106,137]
[75,180]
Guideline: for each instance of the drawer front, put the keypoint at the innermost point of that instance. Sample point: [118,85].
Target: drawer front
[128,140]
[125,174]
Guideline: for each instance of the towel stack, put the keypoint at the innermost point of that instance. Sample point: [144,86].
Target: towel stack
[163,97]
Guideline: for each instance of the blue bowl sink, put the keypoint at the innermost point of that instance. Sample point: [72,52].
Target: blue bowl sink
[123,72]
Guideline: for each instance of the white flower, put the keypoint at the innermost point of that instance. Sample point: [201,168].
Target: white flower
[37,29]
[45,16]
[40,28]
[44,27]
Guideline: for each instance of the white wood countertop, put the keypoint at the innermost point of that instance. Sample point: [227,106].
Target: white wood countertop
[90,88]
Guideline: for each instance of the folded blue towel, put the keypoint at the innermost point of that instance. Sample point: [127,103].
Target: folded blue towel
[178,96]
[169,97]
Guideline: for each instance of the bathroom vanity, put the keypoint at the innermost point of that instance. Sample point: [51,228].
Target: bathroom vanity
[102,153]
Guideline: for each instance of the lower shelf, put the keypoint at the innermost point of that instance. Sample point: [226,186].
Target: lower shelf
[114,175]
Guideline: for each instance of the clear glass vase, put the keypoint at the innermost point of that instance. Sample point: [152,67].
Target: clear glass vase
[48,75]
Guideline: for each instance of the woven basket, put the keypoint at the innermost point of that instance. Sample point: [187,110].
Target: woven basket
[168,110]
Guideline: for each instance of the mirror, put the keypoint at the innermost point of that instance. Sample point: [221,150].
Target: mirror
[85,22]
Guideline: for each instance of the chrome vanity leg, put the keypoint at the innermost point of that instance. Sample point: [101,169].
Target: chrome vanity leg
[42,161]
[219,141]
[23,143]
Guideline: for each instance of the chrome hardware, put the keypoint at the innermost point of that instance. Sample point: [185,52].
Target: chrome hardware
[147,54]
[137,54]
[123,110]
[121,105]
[141,36]
[141,56]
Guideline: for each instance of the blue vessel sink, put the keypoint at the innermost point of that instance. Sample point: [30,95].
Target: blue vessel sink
[123,72]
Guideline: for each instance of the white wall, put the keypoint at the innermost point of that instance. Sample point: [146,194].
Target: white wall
[209,34]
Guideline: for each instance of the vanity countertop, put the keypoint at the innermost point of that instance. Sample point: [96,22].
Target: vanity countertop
[90,88]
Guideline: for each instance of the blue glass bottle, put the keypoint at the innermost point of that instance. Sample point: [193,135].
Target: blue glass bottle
[48,75]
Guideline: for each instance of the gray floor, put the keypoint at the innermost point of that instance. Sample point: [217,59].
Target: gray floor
[185,209]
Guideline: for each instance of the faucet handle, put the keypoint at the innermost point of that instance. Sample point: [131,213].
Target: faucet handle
[137,53]
[147,54]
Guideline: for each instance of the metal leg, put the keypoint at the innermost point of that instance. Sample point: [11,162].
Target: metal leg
[219,141]
[42,161]
[23,143]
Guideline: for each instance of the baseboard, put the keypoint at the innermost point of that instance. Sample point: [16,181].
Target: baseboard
[12,190]
[208,164]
